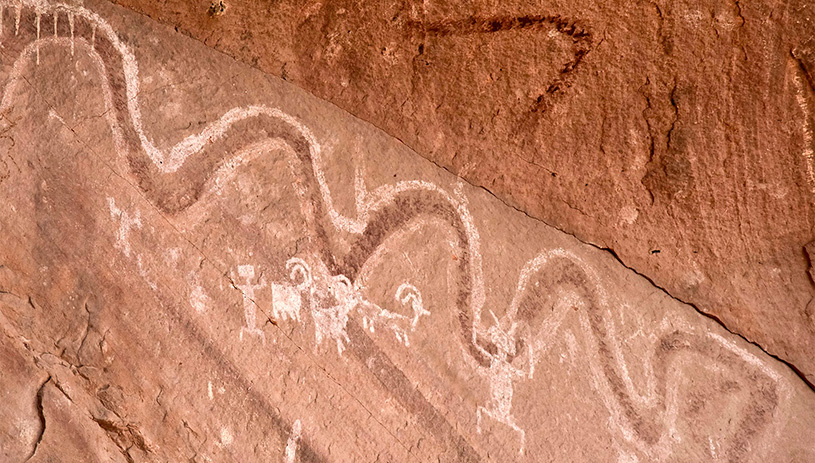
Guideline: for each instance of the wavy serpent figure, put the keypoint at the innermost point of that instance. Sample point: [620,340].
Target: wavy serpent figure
[175,179]
[647,420]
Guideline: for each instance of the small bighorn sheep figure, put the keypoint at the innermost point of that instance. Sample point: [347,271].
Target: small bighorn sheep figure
[332,298]
[398,323]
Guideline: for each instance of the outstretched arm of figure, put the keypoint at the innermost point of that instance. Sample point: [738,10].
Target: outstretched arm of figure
[477,331]
[478,345]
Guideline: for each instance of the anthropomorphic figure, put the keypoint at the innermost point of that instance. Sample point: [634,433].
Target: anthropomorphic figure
[247,273]
[501,374]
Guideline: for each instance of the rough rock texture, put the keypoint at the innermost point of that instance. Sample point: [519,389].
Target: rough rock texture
[199,262]
[677,134]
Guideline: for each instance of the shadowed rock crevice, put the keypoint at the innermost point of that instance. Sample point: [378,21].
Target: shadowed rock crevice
[41,415]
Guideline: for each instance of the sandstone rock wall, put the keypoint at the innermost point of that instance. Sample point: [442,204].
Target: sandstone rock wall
[199,262]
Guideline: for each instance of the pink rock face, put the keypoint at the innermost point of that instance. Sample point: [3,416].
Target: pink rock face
[199,262]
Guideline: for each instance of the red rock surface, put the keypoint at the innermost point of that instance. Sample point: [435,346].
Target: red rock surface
[677,134]
[200,262]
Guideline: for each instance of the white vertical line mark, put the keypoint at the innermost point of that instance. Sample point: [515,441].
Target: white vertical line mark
[291,445]
[71,26]
[809,156]
[17,19]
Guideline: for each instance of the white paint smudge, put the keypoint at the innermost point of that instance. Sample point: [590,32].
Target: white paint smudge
[629,214]
[173,254]
[291,444]
[199,299]
[53,114]
[126,223]
[226,436]
[807,153]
